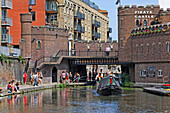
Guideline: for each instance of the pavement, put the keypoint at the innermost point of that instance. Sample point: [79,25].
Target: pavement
[29,88]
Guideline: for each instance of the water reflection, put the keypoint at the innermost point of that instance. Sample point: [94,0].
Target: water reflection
[84,99]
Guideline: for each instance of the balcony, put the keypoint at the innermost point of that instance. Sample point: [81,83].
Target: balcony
[77,28]
[96,35]
[7,4]
[79,15]
[96,23]
[53,23]
[51,8]
[6,21]
[110,30]
[82,29]
[5,38]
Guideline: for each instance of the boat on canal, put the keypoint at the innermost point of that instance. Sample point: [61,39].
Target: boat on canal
[109,86]
[163,90]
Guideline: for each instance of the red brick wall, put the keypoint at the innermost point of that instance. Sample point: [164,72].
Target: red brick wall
[93,47]
[165,67]
[21,6]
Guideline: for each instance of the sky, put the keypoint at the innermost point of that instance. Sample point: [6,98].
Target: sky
[110,6]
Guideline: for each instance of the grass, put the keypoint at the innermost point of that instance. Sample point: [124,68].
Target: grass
[127,88]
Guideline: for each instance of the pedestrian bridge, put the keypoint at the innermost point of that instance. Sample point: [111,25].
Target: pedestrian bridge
[81,58]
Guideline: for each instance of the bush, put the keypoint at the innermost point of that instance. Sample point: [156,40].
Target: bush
[125,80]
[3,58]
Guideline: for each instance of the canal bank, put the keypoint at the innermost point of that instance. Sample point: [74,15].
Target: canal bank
[30,88]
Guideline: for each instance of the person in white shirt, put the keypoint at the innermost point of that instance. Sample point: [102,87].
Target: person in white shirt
[108,50]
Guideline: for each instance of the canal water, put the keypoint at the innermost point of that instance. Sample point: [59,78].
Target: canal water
[84,100]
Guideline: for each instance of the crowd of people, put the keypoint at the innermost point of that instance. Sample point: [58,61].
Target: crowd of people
[13,87]
[36,78]
[69,78]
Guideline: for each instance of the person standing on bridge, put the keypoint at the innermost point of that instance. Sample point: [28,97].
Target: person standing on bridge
[108,50]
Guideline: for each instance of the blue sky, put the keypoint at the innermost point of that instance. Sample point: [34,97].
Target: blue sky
[110,6]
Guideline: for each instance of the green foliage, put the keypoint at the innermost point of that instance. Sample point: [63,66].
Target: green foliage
[125,80]
[10,61]
[23,61]
[3,58]
[20,58]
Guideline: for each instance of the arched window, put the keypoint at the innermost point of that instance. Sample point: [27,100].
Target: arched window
[159,47]
[53,6]
[137,23]
[145,23]
[38,44]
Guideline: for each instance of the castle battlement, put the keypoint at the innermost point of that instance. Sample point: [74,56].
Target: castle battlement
[138,7]
[53,30]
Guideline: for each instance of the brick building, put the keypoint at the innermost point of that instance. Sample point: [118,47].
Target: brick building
[144,43]
[48,45]
[82,18]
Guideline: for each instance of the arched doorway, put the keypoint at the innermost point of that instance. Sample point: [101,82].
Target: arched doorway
[54,74]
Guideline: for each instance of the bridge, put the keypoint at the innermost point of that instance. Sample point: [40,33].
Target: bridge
[81,58]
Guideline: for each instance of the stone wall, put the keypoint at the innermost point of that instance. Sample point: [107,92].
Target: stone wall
[10,71]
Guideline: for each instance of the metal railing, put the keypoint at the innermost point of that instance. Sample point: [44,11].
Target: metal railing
[6,4]
[7,21]
[79,28]
[91,4]
[91,54]
[96,23]
[5,38]
[79,15]
[88,53]
[53,22]
[95,34]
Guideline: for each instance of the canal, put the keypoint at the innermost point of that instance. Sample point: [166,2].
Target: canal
[84,100]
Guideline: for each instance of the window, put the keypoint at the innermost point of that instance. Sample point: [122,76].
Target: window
[136,50]
[167,47]
[38,44]
[145,23]
[3,14]
[31,2]
[147,48]
[153,47]
[121,22]
[159,47]
[137,23]
[33,16]
[121,43]
[160,73]
[142,48]
[143,73]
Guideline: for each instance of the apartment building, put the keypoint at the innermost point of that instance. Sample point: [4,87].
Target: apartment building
[6,22]
[82,18]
